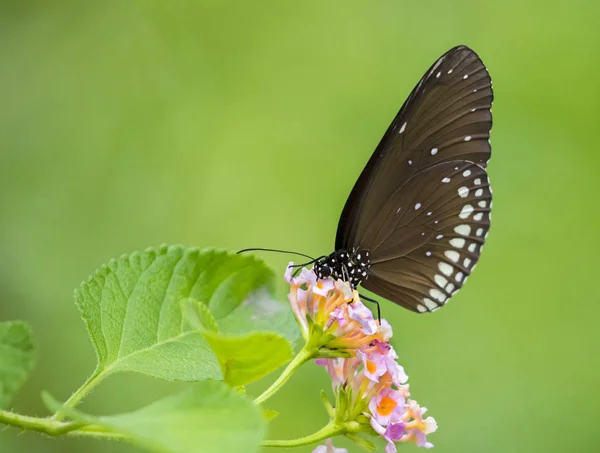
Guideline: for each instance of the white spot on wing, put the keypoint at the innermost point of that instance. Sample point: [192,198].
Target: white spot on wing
[402,128]
[477,181]
[445,268]
[479,232]
[437,294]
[463,192]
[459,243]
[467,138]
[479,192]
[466,211]
[417,206]
[438,75]
[467,173]
[434,151]
[446,180]
[428,253]
[450,71]
[463,229]
[421,308]
[459,277]
[452,255]
[477,217]
[482,204]
[472,247]
[430,304]
[439,236]
[467,262]
[440,281]
[466,76]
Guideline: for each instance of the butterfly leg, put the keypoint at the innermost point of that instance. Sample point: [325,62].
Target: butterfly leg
[345,273]
[376,303]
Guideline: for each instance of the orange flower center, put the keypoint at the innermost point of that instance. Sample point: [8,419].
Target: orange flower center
[386,406]
[371,367]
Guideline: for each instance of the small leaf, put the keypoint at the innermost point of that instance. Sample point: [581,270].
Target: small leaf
[197,315]
[270,414]
[327,404]
[248,358]
[206,418]
[17,357]
[132,308]
[365,444]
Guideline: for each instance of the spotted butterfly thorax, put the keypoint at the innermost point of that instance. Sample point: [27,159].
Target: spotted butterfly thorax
[414,225]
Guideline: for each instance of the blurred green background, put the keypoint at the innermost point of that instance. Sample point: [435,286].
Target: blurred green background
[238,124]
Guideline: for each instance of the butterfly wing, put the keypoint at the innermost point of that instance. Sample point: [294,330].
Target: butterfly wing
[428,236]
[447,117]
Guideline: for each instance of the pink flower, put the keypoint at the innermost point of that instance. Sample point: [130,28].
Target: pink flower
[375,364]
[332,310]
[368,382]
[387,406]
[392,433]
[417,428]
[329,448]
[385,330]
[396,371]
[358,312]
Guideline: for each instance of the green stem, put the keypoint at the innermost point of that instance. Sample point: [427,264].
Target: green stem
[97,433]
[42,425]
[330,430]
[54,428]
[81,392]
[305,354]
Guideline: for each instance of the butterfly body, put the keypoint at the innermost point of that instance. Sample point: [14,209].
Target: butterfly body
[348,265]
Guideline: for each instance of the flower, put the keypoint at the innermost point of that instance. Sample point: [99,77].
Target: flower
[329,448]
[331,314]
[387,406]
[417,427]
[392,433]
[368,382]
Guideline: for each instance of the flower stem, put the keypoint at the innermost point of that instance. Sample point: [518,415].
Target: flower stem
[330,430]
[305,354]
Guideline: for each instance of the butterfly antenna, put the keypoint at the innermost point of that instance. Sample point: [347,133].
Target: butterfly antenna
[276,250]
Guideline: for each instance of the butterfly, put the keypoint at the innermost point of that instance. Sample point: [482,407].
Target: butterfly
[414,225]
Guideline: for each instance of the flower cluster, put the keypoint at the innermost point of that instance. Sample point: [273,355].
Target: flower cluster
[333,311]
[369,385]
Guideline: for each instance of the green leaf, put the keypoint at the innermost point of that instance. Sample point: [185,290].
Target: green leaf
[17,357]
[260,312]
[132,308]
[197,315]
[248,358]
[209,417]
